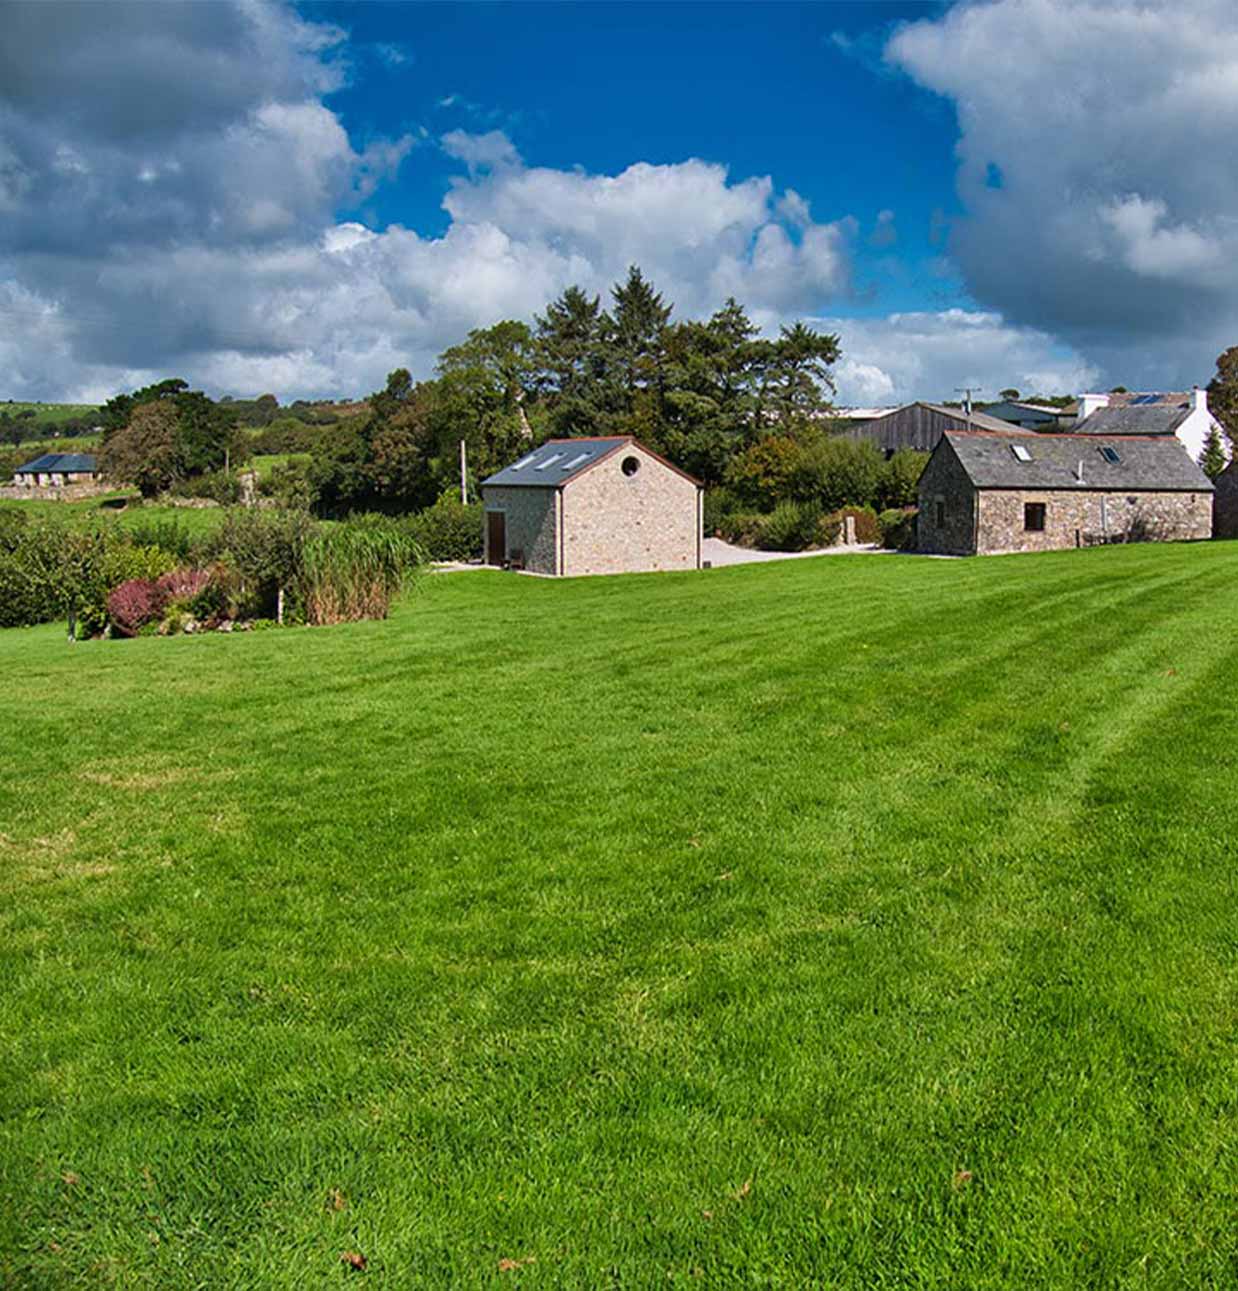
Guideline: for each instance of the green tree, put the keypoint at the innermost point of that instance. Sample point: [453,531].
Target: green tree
[1223,394]
[1009,393]
[143,452]
[572,362]
[1212,460]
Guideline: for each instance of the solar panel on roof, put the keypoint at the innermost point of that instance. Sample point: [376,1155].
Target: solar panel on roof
[1146,398]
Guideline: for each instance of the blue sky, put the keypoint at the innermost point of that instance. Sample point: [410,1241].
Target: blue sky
[794,91]
[264,196]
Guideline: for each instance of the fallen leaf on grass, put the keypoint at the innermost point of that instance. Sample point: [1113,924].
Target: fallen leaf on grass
[726,874]
[707,1214]
[335,1200]
[70,1178]
[1171,672]
[744,1191]
[354,1260]
[962,1178]
[509,1266]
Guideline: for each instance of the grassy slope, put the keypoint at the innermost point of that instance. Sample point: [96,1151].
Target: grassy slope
[860,921]
[196,520]
[49,414]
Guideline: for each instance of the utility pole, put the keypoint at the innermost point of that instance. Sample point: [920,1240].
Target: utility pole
[967,392]
[464,479]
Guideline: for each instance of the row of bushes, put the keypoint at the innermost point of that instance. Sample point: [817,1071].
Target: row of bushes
[805,526]
[256,565]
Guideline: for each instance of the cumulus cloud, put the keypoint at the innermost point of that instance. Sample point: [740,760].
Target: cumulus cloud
[1093,164]
[208,241]
[928,355]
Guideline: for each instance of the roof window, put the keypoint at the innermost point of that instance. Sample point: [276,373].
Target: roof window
[1111,455]
[576,461]
[524,461]
[1020,452]
[549,462]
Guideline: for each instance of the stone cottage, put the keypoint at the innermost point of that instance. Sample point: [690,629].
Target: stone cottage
[56,470]
[592,506]
[983,493]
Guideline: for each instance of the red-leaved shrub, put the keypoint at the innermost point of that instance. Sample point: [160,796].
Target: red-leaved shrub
[134,604]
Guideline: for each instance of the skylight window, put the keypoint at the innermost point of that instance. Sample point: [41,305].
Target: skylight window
[524,461]
[1111,455]
[550,461]
[1020,452]
[576,461]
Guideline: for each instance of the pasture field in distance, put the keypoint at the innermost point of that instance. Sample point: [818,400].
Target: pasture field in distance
[47,415]
[857,921]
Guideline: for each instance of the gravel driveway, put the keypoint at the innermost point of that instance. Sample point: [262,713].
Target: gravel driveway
[719,553]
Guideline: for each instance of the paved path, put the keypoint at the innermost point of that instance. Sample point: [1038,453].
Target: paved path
[720,553]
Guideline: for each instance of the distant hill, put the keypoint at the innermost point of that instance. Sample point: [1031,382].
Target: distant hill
[49,415]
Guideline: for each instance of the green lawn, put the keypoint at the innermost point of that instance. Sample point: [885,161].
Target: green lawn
[859,921]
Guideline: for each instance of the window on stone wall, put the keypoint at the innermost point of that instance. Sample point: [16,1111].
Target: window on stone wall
[1034,517]
[941,513]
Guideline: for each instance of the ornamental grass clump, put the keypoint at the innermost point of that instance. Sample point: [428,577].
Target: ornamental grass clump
[354,569]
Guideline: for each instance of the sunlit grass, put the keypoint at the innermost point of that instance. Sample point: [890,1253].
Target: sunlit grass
[857,921]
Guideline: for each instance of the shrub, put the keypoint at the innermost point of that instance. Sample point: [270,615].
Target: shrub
[265,548]
[838,473]
[720,503]
[290,485]
[742,527]
[352,570]
[828,529]
[791,526]
[899,483]
[867,530]
[763,474]
[223,487]
[134,604]
[898,528]
[448,530]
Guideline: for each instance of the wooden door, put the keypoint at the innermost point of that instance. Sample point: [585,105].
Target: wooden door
[496,537]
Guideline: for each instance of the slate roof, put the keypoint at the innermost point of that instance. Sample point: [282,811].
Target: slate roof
[1144,464]
[559,460]
[64,463]
[1135,419]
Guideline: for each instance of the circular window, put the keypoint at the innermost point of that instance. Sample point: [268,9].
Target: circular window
[631,465]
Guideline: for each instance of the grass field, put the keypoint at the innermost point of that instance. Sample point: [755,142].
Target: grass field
[48,414]
[860,921]
[102,510]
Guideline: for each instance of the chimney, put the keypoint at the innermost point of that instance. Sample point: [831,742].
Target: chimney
[1088,404]
[1199,400]
[1079,472]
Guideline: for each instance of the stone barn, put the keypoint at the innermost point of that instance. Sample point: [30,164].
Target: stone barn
[983,493]
[592,506]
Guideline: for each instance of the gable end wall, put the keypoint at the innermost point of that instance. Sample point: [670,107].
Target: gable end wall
[621,524]
[532,526]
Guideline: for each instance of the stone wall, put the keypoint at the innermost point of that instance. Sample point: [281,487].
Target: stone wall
[1088,517]
[946,524]
[56,492]
[1225,504]
[620,523]
[532,526]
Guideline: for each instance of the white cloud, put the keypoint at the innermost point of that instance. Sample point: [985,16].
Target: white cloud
[928,355]
[480,151]
[1093,165]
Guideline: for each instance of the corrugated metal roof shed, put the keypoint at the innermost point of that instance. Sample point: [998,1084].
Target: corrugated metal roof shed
[1053,461]
[61,463]
[556,462]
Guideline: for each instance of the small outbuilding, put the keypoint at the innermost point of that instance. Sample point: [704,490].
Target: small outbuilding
[985,493]
[592,506]
[56,470]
